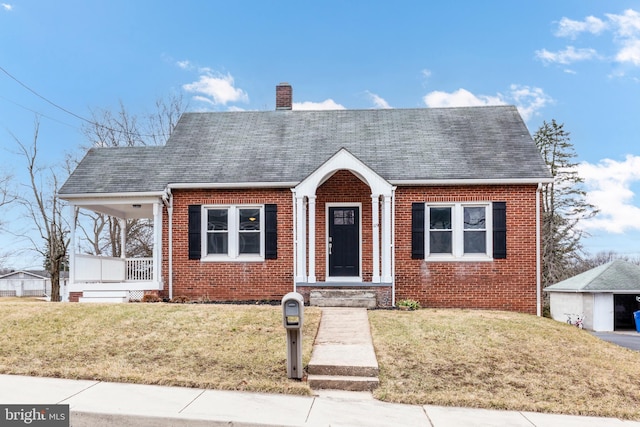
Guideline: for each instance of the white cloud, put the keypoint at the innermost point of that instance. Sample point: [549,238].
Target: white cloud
[627,25]
[630,52]
[529,100]
[426,73]
[625,32]
[185,65]
[328,104]
[570,28]
[460,98]
[7,7]
[567,56]
[608,186]
[378,102]
[216,89]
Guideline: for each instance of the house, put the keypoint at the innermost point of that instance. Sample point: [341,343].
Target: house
[27,283]
[605,297]
[437,205]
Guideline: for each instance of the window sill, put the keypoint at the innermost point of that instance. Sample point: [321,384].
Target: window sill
[224,258]
[468,258]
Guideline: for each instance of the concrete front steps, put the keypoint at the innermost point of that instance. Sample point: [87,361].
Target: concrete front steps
[351,378]
[343,357]
[343,298]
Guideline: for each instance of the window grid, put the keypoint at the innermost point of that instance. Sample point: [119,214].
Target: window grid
[233,232]
[458,231]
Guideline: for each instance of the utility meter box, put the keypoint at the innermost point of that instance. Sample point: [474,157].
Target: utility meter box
[292,310]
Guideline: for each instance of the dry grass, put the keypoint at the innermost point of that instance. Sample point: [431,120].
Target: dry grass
[502,360]
[445,357]
[231,347]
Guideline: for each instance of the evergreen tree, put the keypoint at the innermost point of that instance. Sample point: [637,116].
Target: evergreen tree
[564,204]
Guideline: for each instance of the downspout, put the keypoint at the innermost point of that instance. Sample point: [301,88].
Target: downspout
[167,198]
[295,239]
[538,254]
[393,246]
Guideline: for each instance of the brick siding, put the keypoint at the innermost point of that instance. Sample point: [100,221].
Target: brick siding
[503,284]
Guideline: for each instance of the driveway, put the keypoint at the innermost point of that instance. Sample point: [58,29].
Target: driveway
[628,339]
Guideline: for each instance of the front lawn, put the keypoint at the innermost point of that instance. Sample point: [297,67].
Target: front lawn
[230,347]
[502,360]
[482,359]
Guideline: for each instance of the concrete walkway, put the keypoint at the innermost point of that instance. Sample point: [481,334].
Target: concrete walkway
[99,404]
[343,356]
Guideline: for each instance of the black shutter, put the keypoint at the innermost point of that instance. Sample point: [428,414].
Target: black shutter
[499,230]
[195,242]
[271,231]
[417,230]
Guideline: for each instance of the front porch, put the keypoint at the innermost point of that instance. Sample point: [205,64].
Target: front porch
[343,235]
[98,278]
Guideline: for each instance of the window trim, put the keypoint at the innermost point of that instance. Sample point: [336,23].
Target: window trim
[233,227]
[457,230]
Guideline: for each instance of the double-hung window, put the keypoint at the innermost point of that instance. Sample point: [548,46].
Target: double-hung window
[458,231]
[233,232]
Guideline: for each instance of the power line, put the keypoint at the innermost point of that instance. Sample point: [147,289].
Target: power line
[37,112]
[91,122]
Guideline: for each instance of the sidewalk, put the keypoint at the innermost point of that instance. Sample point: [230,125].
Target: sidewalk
[98,404]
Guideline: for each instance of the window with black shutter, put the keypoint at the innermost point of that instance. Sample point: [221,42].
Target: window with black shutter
[195,241]
[499,230]
[417,231]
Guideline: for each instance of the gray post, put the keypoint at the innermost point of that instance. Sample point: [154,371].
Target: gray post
[292,319]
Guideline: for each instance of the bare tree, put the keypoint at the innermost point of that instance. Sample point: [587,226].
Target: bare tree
[6,198]
[564,204]
[44,208]
[123,129]
[6,195]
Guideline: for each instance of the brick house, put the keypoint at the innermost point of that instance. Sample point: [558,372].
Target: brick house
[437,205]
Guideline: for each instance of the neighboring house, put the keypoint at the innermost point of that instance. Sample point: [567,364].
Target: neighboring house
[605,297]
[436,205]
[23,283]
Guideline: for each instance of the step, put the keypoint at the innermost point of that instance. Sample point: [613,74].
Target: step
[339,382]
[341,370]
[105,294]
[343,298]
[103,299]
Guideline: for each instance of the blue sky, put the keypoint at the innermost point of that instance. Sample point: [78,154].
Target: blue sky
[575,61]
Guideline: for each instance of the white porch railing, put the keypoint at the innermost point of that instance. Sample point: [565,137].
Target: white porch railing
[139,269]
[91,268]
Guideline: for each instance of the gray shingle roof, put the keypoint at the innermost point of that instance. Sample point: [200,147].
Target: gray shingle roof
[614,276]
[475,143]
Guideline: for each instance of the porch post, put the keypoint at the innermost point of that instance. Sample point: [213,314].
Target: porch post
[123,237]
[386,239]
[301,243]
[72,252]
[375,219]
[157,244]
[312,239]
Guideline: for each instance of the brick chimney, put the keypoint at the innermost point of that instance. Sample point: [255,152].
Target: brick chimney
[284,96]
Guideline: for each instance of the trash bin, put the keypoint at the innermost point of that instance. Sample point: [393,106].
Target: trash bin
[636,317]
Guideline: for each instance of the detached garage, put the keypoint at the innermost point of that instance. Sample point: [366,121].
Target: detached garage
[606,297]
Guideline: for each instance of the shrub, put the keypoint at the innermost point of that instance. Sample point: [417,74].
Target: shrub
[409,304]
[151,298]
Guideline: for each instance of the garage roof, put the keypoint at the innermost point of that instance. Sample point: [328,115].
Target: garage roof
[614,276]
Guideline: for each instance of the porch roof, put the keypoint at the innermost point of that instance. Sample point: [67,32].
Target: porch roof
[401,145]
